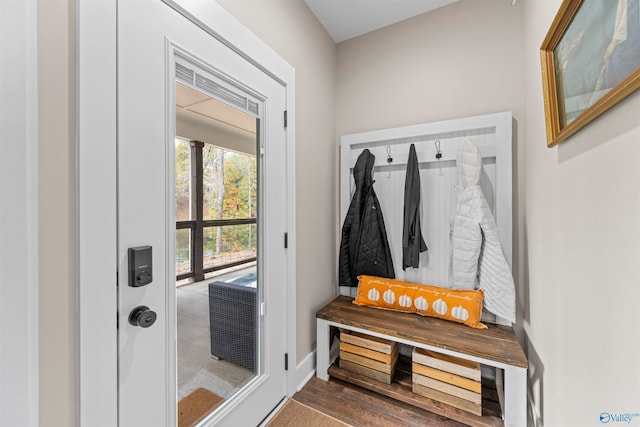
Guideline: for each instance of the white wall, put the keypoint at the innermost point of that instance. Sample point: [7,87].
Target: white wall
[580,252]
[289,28]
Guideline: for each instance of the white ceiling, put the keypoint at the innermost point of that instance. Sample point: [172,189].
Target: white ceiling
[346,19]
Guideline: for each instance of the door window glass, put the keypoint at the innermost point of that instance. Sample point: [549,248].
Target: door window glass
[216,250]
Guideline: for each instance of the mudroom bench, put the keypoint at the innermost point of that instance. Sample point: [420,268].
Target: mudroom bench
[495,347]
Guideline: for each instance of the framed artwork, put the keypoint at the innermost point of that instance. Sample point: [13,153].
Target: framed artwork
[590,61]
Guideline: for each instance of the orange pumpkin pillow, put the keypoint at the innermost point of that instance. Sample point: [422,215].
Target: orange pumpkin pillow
[459,306]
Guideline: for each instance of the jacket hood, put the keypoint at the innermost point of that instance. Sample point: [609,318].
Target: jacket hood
[469,163]
[363,168]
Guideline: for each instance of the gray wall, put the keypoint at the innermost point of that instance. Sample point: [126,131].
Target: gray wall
[57,221]
[289,27]
[461,60]
[580,249]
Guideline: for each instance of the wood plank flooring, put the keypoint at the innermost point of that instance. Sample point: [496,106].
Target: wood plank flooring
[360,407]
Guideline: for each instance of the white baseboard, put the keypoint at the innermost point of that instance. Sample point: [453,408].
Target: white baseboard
[305,371]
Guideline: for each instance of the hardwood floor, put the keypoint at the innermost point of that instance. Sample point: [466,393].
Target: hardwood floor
[360,407]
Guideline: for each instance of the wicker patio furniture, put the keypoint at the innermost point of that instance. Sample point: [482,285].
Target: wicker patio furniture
[232,323]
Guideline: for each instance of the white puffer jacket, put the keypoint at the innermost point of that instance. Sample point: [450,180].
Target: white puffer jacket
[476,251]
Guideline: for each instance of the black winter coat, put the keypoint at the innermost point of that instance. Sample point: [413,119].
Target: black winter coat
[364,248]
[412,241]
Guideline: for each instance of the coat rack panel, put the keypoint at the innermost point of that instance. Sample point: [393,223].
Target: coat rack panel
[492,133]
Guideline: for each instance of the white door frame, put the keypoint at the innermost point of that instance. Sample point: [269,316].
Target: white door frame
[96,192]
[19,313]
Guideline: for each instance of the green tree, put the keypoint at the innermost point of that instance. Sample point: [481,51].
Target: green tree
[240,199]
[229,192]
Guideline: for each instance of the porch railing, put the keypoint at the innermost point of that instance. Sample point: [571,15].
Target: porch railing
[213,245]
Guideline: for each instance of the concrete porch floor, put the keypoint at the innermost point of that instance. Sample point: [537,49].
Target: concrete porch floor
[196,367]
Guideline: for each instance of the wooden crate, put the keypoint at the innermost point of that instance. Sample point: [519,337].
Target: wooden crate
[447,379]
[462,367]
[367,355]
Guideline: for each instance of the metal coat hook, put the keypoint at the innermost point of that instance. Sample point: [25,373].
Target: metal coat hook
[389,160]
[438,155]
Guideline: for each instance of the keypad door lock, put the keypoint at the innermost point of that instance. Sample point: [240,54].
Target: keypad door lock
[140,266]
[142,316]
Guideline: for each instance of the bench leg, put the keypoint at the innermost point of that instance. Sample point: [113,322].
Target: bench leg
[515,397]
[323,345]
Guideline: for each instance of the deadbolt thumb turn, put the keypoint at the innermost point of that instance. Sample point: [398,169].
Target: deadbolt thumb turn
[142,316]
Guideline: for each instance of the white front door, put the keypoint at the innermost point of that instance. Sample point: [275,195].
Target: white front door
[152,38]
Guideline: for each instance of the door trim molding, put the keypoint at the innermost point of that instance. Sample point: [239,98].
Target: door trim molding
[97,264]
[200,14]
[96,192]
[19,307]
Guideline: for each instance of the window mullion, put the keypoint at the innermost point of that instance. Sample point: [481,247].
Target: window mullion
[196,209]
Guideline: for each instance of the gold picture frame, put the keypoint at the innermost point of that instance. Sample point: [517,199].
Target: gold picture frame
[590,62]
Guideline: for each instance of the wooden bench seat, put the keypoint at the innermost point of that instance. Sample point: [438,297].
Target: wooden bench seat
[496,346]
